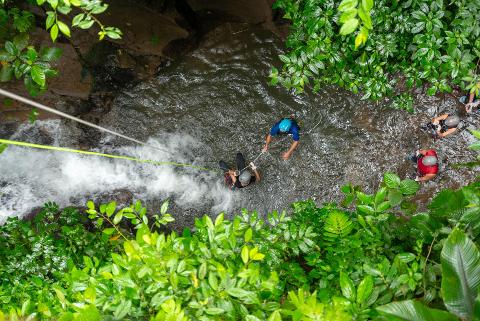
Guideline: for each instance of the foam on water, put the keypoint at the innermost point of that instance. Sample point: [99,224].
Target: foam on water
[30,177]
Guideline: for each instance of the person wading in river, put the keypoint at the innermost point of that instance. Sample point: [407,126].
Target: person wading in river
[444,125]
[285,126]
[427,164]
[242,177]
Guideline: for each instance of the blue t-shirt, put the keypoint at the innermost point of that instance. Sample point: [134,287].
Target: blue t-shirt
[294,130]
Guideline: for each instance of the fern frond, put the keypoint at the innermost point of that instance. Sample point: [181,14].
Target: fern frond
[337,225]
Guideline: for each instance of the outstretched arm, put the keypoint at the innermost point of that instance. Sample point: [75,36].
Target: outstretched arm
[448,132]
[289,152]
[426,177]
[257,175]
[268,140]
[471,97]
[439,118]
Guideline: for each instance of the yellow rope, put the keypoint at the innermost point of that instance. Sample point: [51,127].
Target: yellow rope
[70,150]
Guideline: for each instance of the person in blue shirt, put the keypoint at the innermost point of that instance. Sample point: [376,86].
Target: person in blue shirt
[286,126]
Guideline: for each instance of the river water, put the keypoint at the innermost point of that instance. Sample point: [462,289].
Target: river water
[209,105]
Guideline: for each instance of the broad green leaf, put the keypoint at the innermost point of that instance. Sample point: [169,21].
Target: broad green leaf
[77,19]
[415,311]
[122,309]
[63,28]
[164,207]
[391,180]
[275,316]
[258,257]
[129,250]
[109,231]
[460,274]
[6,56]
[219,219]
[349,26]
[21,41]
[380,196]
[54,32]
[382,207]
[347,286]
[99,9]
[365,289]
[406,257]
[118,217]
[53,3]
[346,5]
[475,133]
[366,209]
[212,281]
[85,24]
[244,254]
[394,197]
[238,292]
[365,17]
[6,73]
[50,19]
[409,187]
[3,147]
[248,235]
[110,209]
[367,5]
[89,313]
[347,15]
[38,75]
[214,311]
[10,48]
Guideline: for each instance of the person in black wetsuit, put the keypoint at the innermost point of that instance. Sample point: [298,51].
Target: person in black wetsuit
[444,125]
[242,177]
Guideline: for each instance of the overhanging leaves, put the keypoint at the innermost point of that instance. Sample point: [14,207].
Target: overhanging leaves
[415,311]
[460,274]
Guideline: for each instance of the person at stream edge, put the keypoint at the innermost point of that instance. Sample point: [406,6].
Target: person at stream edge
[285,126]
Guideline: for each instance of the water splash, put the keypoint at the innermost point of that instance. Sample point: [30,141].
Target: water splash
[31,177]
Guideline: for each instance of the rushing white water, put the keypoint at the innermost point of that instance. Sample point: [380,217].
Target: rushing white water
[30,177]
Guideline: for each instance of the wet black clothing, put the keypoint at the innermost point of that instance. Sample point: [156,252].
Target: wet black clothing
[239,185]
[241,164]
[441,127]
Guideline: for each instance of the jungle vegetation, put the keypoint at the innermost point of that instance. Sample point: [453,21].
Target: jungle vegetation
[370,257]
[381,49]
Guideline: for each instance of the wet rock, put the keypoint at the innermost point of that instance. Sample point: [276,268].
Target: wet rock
[251,11]
[72,80]
[122,197]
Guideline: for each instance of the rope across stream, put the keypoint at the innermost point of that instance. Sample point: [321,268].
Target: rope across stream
[100,128]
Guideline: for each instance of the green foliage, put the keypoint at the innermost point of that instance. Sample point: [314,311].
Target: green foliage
[21,60]
[337,225]
[460,285]
[320,263]
[383,50]
[460,274]
[35,253]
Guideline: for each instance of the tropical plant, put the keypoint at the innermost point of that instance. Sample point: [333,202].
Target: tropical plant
[410,44]
[319,263]
[460,285]
[20,59]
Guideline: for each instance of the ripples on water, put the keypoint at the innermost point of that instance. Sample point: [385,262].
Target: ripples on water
[215,102]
